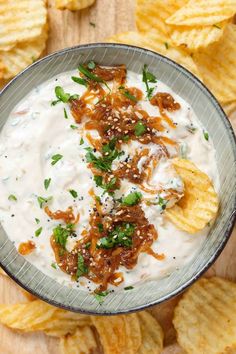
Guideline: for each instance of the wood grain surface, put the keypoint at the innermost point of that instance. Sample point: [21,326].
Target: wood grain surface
[68,29]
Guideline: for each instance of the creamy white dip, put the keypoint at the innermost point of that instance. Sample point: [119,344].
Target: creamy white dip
[36,130]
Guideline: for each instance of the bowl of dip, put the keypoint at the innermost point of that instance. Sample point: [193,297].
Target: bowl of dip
[86,143]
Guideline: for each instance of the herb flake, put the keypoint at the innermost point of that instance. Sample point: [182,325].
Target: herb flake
[12,198]
[82,268]
[206,135]
[129,287]
[127,94]
[47,183]
[42,201]
[62,96]
[65,114]
[132,199]
[38,232]
[108,187]
[79,80]
[140,128]
[120,236]
[148,77]
[73,193]
[53,265]
[100,297]
[56,158]
[61,234]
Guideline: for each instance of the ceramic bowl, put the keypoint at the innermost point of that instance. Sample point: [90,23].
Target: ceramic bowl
[213,119]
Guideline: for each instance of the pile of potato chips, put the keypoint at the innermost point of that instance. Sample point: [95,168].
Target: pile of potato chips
[198,34]
[204,320]
[23,34]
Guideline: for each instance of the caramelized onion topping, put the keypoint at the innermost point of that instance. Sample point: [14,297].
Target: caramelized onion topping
[102,261]
[115,239]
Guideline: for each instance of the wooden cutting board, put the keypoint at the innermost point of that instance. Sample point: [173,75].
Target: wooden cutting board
[68,29]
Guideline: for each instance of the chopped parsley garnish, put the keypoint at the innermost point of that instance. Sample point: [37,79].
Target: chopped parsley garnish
[53,265]
[81,141]
[100,296]
[65,114]
[104,162]
[140,128]
[73,126]
[120,236]
[129,287]
[166,45]
[12,198]
[47,183]
[89,75]
[132,199]
[38,232]
[92,76]
[206,135]
[82,268]
[127,94]
[73,193]
[87,245]
[61,234]
[37,220]
[108,187]
[92,24]
[217,26]
[148,77]
[79,80]
[91,65]
[100,227]
[62,96]
[56,158]
[42,201]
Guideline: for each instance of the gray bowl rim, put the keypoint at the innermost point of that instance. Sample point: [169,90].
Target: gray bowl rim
[228,126]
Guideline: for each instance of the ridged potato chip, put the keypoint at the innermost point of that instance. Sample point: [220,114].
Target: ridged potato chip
[21,21]
[194,38]
[73,5]
[40,316]
[118,334]
[202,13]
[205,318]
[22,55]
[159,43]
[152,334]
[81,342]
[151,14]
[217,65]
[199,205]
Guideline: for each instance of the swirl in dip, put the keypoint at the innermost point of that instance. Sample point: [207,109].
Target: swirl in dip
[86,176]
